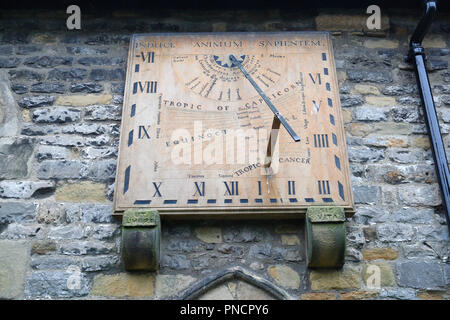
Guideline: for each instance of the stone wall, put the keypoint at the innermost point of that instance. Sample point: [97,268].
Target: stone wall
[61,97]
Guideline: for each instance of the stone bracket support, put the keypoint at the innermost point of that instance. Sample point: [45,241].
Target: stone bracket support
[325,237]
[141,234]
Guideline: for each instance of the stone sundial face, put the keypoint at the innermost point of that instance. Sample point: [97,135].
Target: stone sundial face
[195,130]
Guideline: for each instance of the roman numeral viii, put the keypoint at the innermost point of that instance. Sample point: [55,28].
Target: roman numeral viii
[145,87]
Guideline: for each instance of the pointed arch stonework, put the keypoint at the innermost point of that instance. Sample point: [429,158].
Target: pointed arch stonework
[224,282]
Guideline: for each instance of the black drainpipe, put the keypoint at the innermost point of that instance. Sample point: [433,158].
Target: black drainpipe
[416,53]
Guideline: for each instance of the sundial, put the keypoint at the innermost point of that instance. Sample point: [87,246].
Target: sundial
[232,124]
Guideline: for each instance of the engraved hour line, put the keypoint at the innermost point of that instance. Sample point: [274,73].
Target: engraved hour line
[195,85]
[270,70]
[203,88]
[190,82]
[268,78]
[238,95]
[262,81]
[211,87]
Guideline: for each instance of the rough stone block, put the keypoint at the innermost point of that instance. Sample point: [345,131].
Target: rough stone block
[361,75]
[84,191]
[397,294]
[66,74]
[107,75]
[360,295]
[26,75]
[406,114]
[43,247]
[98,153]
[100,213]
[17,212]
[366,89]
[104,231]
[175,262]
[46,87]
[14,156]
[386,273]
[123,285]
[426,195]
[364,154]
[53,153]
[380,101]
[167,286]
[380,253]
[14,257]
[102,170]
[413,215]
[55,115]
[348,22]
[319,296]
[89,87]
[9,119]
[83,128]
[71,231]
[84,247]
[366,194]
[366,113]
[347,278]
[61,169]
[57,284]
[209,234]
[24,189]
[83,100]
[420,274]
[64,140]
[99,263]
[395,232]
[52,262]
[284,276]
[290,240]
[102,113]
[381,43]
[47,61]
